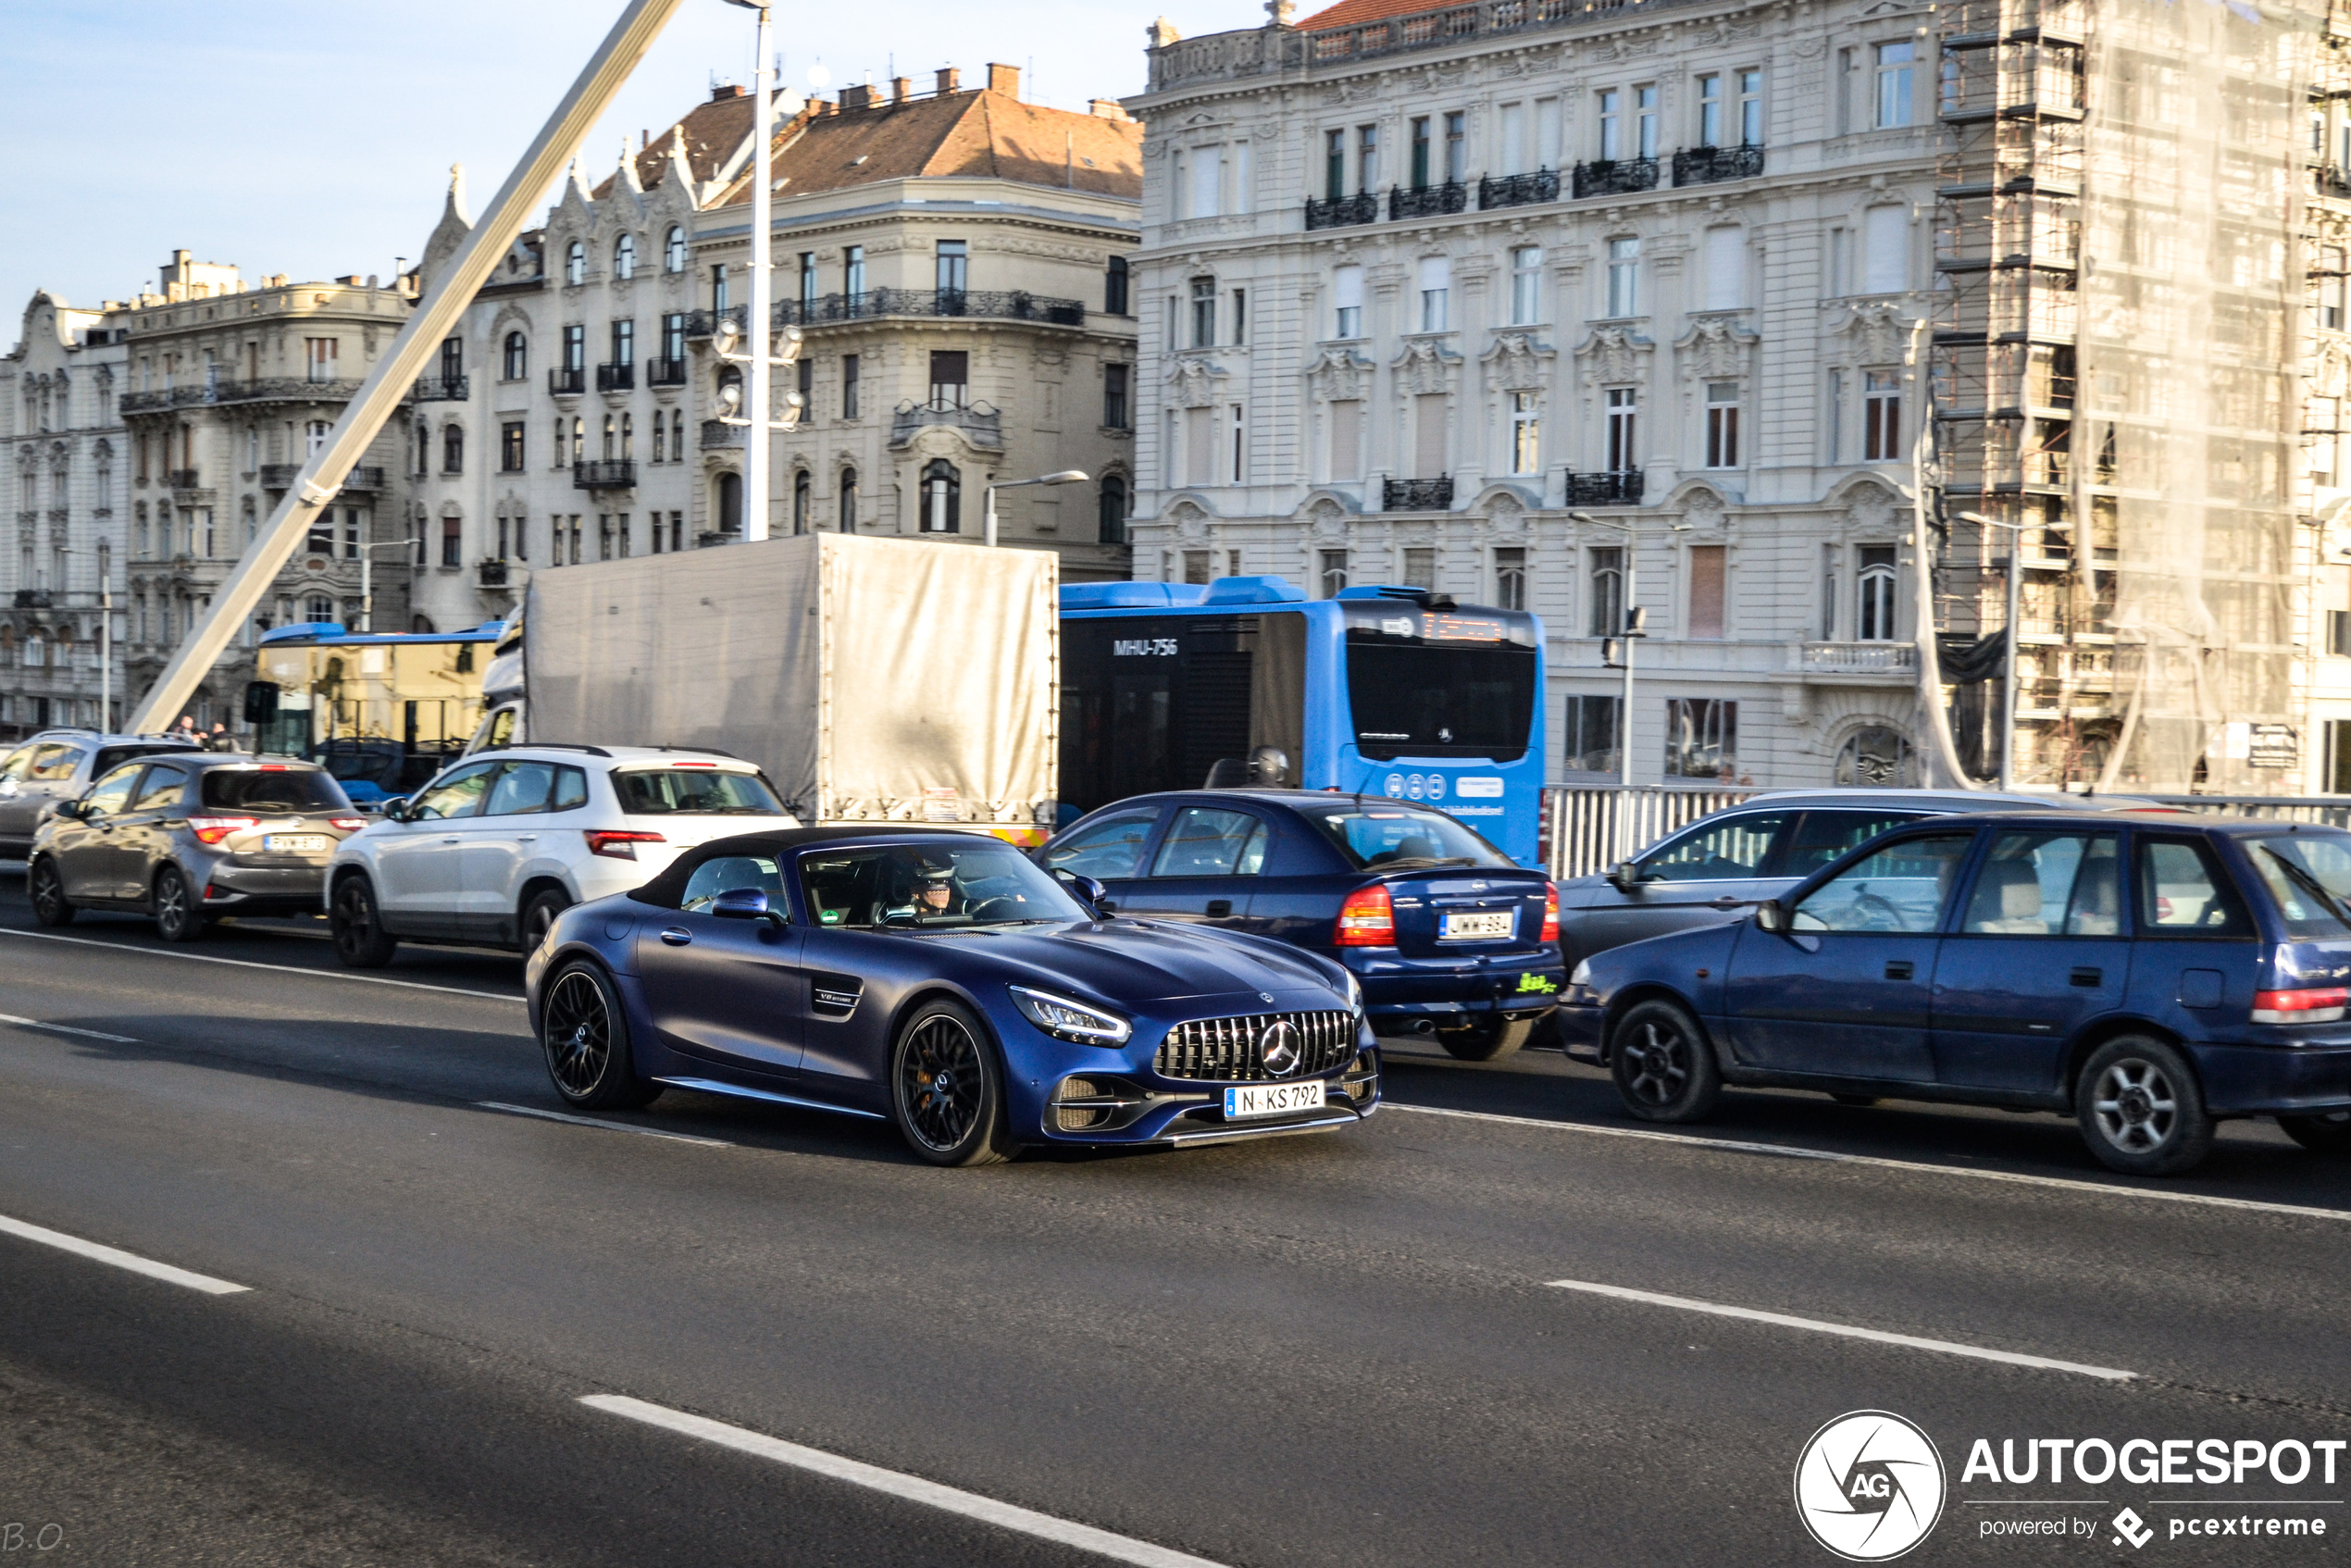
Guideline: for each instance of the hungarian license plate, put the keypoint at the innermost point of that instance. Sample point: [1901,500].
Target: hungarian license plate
[297,843]
[1243,1100]
[1475,927]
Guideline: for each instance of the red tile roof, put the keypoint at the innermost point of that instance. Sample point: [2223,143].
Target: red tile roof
[1346,13]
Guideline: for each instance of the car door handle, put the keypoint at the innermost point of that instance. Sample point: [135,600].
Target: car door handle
[2088,977]
[1897,968]
[676,936]
[526,838]
[1726,901]
[450,840]
[1219,908]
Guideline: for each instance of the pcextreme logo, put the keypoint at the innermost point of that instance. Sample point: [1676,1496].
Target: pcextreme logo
[1868,1486]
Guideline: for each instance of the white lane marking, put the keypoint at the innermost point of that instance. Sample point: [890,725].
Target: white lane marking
[64,1030]
[249,963]
[592,1121]
[1735,1146]
[1102,1543]
[1944,1347]
[118,1257]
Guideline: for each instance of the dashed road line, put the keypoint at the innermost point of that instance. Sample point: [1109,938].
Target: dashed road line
[118,1257]
[250,963]
[67,1030]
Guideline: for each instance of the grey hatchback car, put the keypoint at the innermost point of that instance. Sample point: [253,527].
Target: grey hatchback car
[58,765]
[1726,863]
[190,837]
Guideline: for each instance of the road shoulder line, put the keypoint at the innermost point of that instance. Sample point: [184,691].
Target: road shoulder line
[592,1121]
[250,963]
[118,1257]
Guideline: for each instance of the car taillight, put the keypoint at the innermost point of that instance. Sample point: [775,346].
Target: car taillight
[617,844]
[1367,918]
[2322,1004]
[347,824]
[1551,913]
[212,829]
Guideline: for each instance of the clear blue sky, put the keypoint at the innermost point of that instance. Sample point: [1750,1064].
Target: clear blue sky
[314,138]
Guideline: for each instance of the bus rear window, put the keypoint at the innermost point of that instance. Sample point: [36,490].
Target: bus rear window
[1439,700]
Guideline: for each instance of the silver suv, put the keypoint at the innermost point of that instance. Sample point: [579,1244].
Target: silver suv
[58,765]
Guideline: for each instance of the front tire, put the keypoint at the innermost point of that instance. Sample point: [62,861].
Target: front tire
[179,917]
[357,927]
[2140,1108]
[1664,1068]
[584,1035]
[945,1093]
[1485,1040]
[47,888]
[2328,1133]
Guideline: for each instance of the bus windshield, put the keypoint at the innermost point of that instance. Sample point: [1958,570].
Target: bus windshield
[1421,698]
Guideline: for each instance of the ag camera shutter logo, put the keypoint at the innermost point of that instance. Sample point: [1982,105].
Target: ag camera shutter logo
[1868,1486]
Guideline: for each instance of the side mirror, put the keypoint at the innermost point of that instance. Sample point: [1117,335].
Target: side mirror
[74,809]
[1624,876]
[395,809]
[1772,916]
[744,903]
[1091,894]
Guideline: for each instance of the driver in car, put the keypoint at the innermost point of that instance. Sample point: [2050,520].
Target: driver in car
[933,894]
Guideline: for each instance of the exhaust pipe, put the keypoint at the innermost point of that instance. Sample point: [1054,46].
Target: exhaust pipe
[1424,1026]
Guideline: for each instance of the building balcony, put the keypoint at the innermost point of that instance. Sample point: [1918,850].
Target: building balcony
[703,323]
[489,574]
[615,378]
[664,372]
[1615,177]
[1418,495]
[282,475]
[443,389]
[1519,190]
[1704,166]
[1429,201]
[183,479]
[980,423]
[35,599]
[1604,490]
[1339,212]
[225,389]
[1015,305]
[719,436]
[610,473]
[1900,659]
[569,382]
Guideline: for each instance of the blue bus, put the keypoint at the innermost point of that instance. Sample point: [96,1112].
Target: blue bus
[1394,692]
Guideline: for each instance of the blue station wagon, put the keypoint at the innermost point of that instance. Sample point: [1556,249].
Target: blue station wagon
[2147,974]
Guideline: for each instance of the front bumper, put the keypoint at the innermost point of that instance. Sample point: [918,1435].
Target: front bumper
[1079,1096]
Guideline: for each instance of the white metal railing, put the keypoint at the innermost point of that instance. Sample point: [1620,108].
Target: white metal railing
[1588,828]
[1858,658]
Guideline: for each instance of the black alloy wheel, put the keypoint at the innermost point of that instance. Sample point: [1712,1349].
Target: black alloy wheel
[2326,1133]
[357,926]
[538,917]
[47,890]
[946,1094]
[1487,1039]
[1664,1068]
[179,919]
[2140,1108]
[585,1036]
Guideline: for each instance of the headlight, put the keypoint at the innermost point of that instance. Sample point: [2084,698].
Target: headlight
[1354,993]
[1065,1019]
[1583,976]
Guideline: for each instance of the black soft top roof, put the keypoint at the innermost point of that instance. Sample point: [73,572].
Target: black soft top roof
[667,889]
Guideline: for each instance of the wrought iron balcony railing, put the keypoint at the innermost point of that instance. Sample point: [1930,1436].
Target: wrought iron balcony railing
[267,389]
[1704,166]
[443,389]
[1338,212]
[1429,201]
[491,573]
[609,473]
[615,378]
[1418,495]
[1016,304]
[568,382]
[1615,177]
[718,435]
[282,475]
[703,323]
[1519,190]
[1618,488]
[183,479]
[664,372]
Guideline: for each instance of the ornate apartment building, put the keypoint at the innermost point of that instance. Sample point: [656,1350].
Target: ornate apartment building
[62,460]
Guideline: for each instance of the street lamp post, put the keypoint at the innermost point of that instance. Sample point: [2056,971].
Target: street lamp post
[988,501]
[368,578]
[2008,660]
[761,359]
[1634,619]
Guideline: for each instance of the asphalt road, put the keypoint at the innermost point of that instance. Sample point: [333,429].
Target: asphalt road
[1339,1349]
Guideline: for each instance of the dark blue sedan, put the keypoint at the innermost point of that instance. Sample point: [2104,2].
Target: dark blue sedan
[939,980]
[2146,974]
[1447,935]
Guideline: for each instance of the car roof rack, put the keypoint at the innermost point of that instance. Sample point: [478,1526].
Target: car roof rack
[554,746]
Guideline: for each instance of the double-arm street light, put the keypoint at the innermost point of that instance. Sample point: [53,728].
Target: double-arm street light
[1634,619]
[987,529]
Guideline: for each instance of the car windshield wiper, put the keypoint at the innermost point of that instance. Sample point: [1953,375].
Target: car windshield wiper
[2329,901]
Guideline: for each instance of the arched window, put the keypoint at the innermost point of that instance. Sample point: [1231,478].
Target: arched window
[1874,622]
[624,256]
[1876,757]
[517,363]
[627,435]
[661,437]
[453,449]
[612,436]
[849,501]
[942,497]
[803,490]
[730,503]
[1113,511]
[677,433]
[673,250]
[1114,287]
[576,262]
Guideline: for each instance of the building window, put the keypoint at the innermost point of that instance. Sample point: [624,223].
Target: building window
[1886,238]
[1606,592]
[453,449]
[1420,152]
[1881,415]
[1722,424]
[1750,108]
[677,433]
[1114,287]
[1330,572]
[1240,317]
[953,267]
[1621,411]
[1203,313]
[510,447]
[847,503]
[1366,160]
[612,438]
[1437,288]
[942,497]
[624,343]
[624,258]
[1456,147]
[1645,122]
[1702,738]
[1624,277]
[1114,412]
[321,608]
[1874,618]
[853,274]
[1589,738]
[516,363]
[318,358]
[1333,165]
[1239,442]
[314,435]
[673,250]
[1527,432]
[452,542]
[2338,756]
[1113,515]
[628,436]
[1420,567]
[719,288]
[950,377]
[1612,123]
[803,494]
[1709,111]
[661,439]
[1894,64]
[1526,285]
[1707,565]
[672,341]
[850,365]
[1510,578]
[575,263]
[807,284]
[1199,567]
[575,348]
[1346,295]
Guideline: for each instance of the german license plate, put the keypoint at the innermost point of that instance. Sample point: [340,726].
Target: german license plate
[1475,927]
[1243,1100]
[297,843]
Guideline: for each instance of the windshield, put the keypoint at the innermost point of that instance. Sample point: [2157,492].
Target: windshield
[2309,876]
[1419,698]
[273,790]
[1401,837]
[695,791]
[914,886]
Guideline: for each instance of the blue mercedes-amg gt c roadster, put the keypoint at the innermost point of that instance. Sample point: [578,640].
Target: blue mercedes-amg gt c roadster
[941,980]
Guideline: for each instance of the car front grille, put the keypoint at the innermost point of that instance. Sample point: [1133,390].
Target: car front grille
[1229,1050]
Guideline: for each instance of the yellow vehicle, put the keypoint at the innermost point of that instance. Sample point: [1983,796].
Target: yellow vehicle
[381,711]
